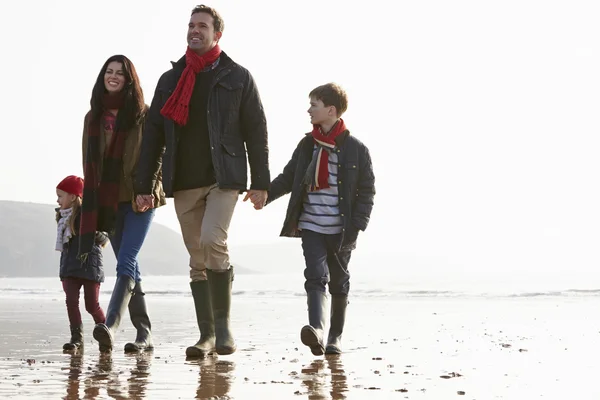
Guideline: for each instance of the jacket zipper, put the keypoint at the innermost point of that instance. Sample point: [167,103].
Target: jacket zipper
[221,74]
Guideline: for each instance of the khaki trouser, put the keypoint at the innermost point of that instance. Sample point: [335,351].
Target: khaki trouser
[204,215]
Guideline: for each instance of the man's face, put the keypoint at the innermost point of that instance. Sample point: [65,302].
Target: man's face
[201,34]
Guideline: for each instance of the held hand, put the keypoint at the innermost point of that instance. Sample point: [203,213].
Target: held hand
[257,197]
[140,202]
[144,202]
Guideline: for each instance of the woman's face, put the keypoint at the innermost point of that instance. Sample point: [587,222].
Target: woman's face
[114,78]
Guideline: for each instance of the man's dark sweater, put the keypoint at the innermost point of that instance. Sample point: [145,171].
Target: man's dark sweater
[194,168]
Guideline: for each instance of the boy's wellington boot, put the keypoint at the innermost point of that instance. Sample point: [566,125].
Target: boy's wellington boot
[141,321]
[204,316]
[76,341]
[312,334]
[105,333]
[336,328]
[220,292]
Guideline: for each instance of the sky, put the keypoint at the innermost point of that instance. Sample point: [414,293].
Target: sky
[481,117]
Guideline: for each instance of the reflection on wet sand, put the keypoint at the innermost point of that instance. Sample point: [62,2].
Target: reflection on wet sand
[75,367]
[315,379]
[215,378]
[139,377]
[107,375]
[101,375]
[339,381]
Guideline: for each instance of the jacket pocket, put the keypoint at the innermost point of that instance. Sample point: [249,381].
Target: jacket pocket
[349,238]
[229,95]
[235,167]
[95,259]
[351,168]
[230,85]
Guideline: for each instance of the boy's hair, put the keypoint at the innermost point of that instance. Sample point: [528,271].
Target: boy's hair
[331,94]
[218,22]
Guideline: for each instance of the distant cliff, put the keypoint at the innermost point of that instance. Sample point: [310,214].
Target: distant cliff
[28,235]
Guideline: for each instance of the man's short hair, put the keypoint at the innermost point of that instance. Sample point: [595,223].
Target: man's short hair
[218,22]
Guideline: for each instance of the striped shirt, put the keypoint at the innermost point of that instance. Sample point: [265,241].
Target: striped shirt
[321,210]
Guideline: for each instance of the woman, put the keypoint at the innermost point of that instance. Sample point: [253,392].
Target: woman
[112,137]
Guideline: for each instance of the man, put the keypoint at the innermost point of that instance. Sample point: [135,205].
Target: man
[205,115]
[332,185]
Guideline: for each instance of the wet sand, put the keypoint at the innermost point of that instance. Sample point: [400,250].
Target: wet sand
[415,348]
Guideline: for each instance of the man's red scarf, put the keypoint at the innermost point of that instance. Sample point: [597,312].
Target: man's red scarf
[177,106]
[318,171]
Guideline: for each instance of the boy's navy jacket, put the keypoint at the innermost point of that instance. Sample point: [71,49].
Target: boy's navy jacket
[356,186]
[71,267]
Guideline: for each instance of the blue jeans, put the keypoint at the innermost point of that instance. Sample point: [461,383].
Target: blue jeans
[326,263]
[131,229]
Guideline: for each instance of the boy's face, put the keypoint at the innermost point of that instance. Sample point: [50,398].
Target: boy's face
[64,199]
[320,113]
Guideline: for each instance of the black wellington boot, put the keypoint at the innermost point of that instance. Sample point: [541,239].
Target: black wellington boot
[312,334]
[336,328]
[76,341]
[105,333]
[220,293]
[206,323]
[140,320]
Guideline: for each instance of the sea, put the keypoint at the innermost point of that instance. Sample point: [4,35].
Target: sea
[291,285]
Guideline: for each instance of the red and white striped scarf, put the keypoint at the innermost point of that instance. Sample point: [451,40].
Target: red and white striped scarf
[317,175]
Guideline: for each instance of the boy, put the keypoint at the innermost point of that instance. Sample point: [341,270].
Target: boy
[330,177]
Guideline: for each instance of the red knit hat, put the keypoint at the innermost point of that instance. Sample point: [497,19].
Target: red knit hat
[72,184]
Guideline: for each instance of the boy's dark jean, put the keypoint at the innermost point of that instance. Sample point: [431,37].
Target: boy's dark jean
[91,290]
[326,263]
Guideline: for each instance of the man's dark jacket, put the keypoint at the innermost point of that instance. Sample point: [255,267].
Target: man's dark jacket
[236,126]
[356,186]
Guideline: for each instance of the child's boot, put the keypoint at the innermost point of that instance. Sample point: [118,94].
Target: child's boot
[338,318]
[312,334]
[76,341]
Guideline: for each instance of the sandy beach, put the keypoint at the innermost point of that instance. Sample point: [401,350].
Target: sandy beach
[396,347]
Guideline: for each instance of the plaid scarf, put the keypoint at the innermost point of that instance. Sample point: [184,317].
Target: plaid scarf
[101,186]
[317,174]
[177,106]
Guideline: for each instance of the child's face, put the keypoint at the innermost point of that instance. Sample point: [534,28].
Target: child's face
[64,199]
[319,113]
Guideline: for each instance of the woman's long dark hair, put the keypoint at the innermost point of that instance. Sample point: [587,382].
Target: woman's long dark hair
[133,108]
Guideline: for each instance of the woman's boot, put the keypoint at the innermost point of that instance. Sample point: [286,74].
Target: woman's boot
[105,333]
[141,321]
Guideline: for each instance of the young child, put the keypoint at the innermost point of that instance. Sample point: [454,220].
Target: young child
[330,177]
[73,273]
